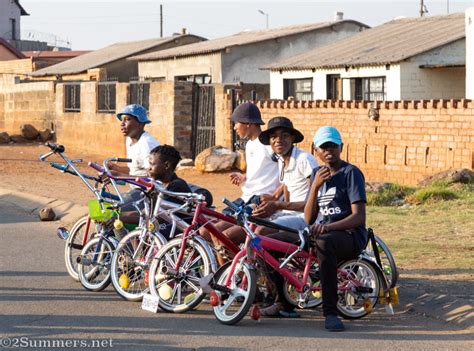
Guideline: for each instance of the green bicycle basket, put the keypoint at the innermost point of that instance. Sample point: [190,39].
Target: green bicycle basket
[95,212]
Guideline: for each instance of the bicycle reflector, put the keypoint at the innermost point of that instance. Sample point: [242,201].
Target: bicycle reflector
[213,299]
[62,233]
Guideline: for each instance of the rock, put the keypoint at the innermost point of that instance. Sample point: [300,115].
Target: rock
[47,214]
[376,186]
[214,159]
[29,132]
[240,162]
[18,138]
[4,138]
[460,175]
[45,135]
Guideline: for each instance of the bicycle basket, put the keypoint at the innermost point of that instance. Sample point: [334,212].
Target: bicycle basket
[95,211]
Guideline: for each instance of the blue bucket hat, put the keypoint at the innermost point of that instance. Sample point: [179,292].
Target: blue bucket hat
[327,134]
[137,111]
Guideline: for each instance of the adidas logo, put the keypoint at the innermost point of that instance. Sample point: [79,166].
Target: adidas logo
[325,199]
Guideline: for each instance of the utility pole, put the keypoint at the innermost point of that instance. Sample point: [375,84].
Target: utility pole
[421,8]
[161,20]
[447,6]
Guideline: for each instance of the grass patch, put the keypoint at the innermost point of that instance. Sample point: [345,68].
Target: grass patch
[390,195]
[430,195]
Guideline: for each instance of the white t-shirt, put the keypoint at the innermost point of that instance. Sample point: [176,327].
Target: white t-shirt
[262,175]
[296,175]
[139,153]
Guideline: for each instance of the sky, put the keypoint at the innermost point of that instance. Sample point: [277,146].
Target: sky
[90,25]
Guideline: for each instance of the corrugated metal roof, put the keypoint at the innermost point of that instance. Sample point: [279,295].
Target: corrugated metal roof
[242,38]
[103,56]
[388,43]
[55,54]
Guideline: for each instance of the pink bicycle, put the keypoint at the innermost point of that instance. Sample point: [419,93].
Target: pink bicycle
[235,284]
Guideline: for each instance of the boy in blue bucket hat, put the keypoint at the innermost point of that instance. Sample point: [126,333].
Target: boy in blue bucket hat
[138,143]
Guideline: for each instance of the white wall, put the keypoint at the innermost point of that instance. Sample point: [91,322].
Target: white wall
[470,53]
[435,83]
[9,9]
[392,76]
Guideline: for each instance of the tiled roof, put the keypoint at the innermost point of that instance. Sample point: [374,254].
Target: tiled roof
[104,56]
[242,38]
[388,43]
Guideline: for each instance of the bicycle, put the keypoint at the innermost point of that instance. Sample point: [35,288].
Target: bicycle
[234,285]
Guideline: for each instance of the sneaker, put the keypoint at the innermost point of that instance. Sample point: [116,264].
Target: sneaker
[333,323]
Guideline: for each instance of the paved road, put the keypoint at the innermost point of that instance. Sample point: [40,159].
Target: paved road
[40,304]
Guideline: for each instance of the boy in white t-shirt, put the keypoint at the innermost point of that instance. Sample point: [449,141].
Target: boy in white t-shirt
[138,143]
[295,167]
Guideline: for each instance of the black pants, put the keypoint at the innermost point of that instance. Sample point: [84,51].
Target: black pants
[331,248]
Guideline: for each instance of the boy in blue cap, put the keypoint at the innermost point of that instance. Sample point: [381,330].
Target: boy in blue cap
[139,143]
[335,209]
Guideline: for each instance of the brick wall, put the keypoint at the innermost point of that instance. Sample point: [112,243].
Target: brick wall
[411,139]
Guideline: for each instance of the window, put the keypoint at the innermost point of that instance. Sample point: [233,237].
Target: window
[72,97]
[300,89]
[370,89]
[139,93]
[333,87]
[13,26]
[196,78]
[106,97]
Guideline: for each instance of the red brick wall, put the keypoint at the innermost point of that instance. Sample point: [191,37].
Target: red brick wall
[411,139]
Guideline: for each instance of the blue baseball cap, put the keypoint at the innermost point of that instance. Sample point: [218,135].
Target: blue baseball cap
[137,111]
[327,134]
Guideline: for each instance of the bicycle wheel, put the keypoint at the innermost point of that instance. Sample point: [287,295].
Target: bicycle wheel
[178,288]
[233,306]
[358,288]
[389,267]
[94,269]
[309,299]
[74,245]
[131,263]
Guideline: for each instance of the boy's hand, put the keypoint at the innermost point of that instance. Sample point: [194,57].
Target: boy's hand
[265,209]
[237,178]
[317,229]
[322,175]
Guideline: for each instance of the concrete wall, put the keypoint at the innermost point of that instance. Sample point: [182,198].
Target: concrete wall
[411,140]
[9,9]
[470,53]
[167,69]
[243,63]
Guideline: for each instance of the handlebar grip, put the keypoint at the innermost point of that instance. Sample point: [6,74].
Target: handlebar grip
[141,181]
[230,204]
[120,159]
[55,147]
[96,166]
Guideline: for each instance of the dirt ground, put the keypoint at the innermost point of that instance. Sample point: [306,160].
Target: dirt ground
[21,170]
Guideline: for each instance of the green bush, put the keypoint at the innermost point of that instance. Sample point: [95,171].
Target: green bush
[389,196]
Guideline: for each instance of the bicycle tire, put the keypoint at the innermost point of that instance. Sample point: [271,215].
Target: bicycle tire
[389,267]
[195,264]
[351,302]
[224,302]
[74,247]
[98,278]
[136,271]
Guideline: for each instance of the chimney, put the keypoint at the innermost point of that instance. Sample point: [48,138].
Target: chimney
[338,16]
[184,31]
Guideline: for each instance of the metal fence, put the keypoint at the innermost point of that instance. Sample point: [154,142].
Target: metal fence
[106,94]
[139,93]
[72,97]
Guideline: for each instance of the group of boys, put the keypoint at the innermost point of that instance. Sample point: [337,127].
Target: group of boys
[293,190]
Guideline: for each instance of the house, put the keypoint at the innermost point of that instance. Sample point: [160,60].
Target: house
[110,63]
[407,58]
[10,16]
[237,58]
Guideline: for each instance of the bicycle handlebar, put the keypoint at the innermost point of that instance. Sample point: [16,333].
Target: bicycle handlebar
[161,189]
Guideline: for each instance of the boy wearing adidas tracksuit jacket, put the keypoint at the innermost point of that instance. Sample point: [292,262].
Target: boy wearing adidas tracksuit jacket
[335,208]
